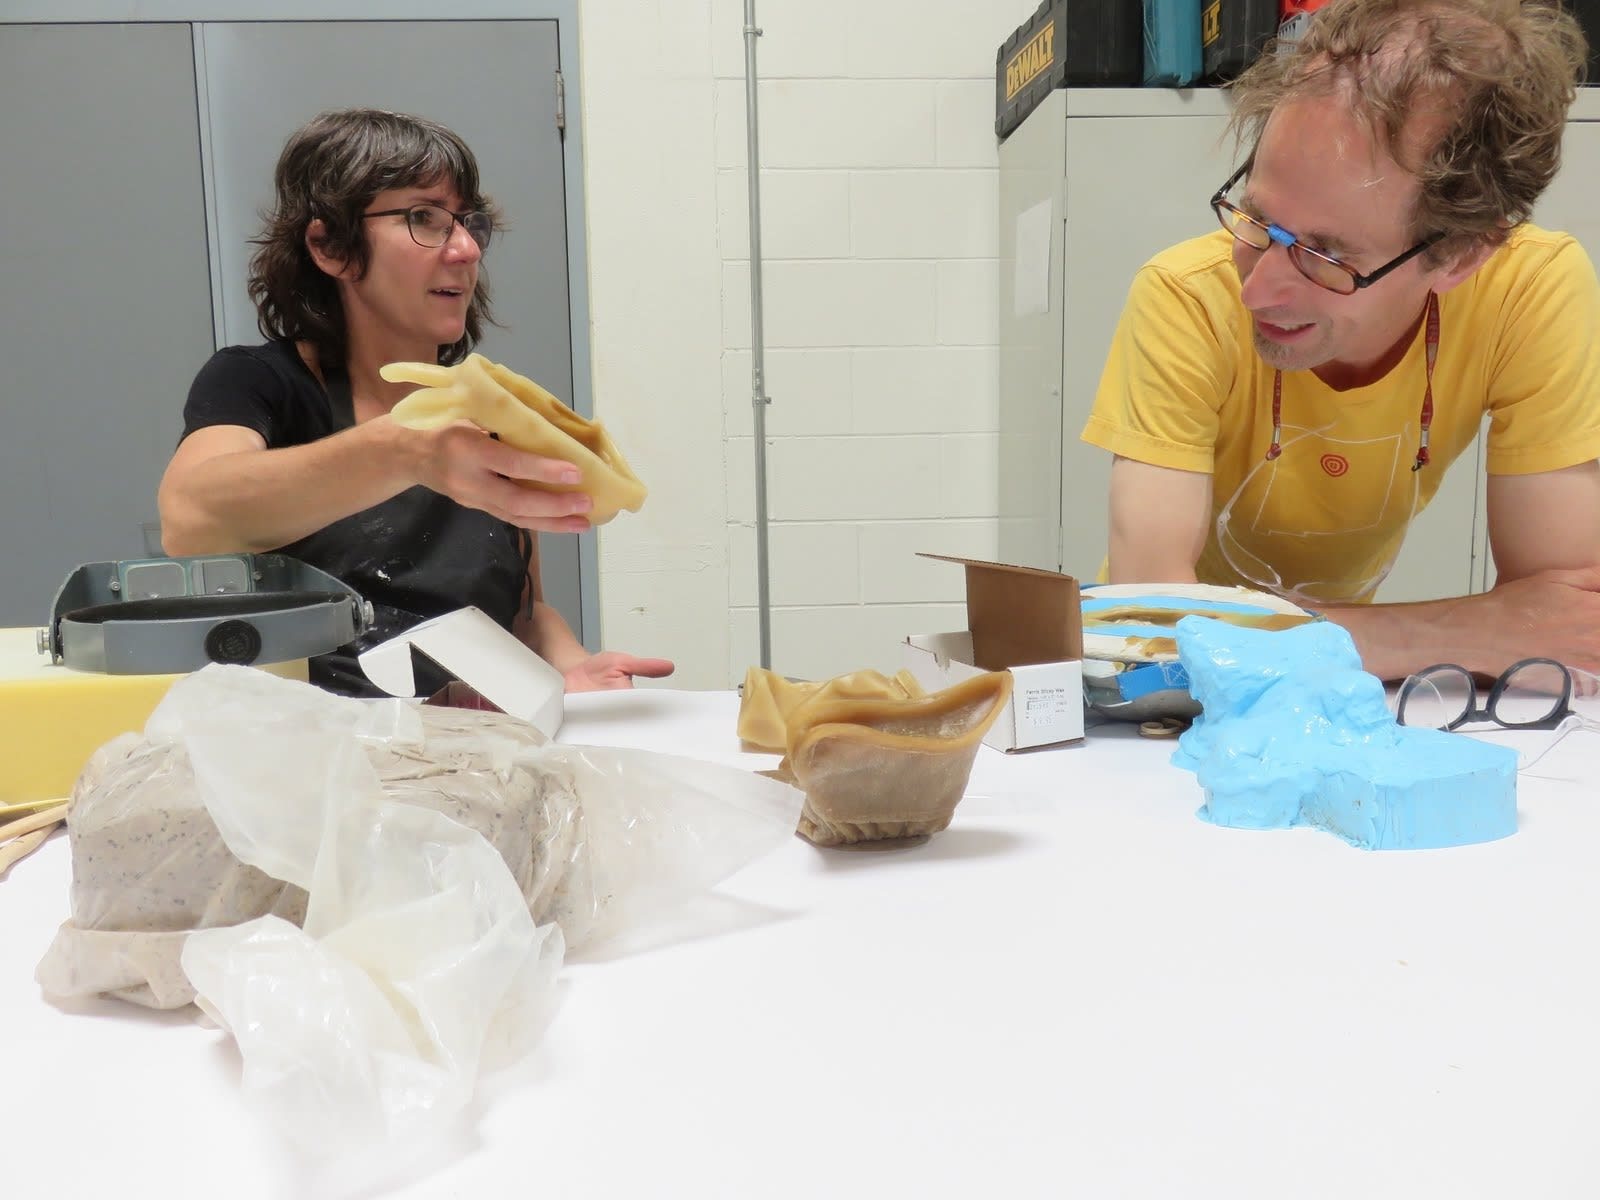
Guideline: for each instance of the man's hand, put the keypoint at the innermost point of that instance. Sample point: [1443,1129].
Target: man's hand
[1549,614]
[1544,532]
[463,462]
[611,669]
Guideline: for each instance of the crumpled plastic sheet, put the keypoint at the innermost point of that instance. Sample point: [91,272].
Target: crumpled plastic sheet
[418,961]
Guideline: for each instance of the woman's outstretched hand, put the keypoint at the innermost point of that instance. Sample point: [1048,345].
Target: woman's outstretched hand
[611,669]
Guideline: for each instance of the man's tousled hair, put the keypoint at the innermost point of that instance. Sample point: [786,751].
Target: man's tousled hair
[1492,78]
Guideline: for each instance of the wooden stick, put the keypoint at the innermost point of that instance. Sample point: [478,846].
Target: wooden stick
[20,847]
[7,811]
[39,820]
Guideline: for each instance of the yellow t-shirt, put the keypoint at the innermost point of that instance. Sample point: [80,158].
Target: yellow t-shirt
[1183,387]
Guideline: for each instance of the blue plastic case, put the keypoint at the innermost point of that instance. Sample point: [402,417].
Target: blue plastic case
[1172,51]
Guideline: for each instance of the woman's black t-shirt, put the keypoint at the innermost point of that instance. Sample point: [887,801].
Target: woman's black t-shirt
[416,555]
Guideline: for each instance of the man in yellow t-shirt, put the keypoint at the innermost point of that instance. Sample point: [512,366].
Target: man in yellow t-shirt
[1284,395]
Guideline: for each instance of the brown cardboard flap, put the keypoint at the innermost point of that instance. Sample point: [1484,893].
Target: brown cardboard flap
[1020,615]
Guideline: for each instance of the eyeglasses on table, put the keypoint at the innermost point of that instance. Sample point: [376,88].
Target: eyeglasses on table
[1537,696]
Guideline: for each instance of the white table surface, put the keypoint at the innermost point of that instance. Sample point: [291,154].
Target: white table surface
[1079,989]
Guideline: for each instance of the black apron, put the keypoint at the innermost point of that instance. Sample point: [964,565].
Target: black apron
[415,556]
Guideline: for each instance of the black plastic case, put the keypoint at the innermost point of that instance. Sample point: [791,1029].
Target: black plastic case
[1067,43]
[1232,33]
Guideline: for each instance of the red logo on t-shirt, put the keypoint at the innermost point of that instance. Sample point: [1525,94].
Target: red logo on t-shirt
[1335,464]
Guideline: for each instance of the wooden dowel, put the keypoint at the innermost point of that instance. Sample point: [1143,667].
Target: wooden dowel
[18,848]
[42,819]
[7,811]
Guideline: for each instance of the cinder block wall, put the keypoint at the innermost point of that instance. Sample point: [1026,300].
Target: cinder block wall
[879,242]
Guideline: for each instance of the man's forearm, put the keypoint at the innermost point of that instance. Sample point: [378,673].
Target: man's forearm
[1550,614]
[1396,640]
[256,500]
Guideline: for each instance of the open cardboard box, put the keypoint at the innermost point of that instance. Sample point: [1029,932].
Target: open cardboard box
[1025,621]
[492,662]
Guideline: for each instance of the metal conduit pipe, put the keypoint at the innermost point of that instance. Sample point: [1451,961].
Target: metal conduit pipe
[758,396]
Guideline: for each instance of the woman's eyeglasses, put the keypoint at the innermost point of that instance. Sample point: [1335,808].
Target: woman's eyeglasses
[431,225]
[1536,694]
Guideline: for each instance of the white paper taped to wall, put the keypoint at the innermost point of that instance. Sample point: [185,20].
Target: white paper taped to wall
[1031,281]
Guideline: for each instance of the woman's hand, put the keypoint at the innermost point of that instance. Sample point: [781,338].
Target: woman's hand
[611,669]
[463,462]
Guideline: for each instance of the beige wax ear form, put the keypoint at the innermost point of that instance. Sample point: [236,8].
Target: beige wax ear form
[876,769]
[767,700]
[526,416]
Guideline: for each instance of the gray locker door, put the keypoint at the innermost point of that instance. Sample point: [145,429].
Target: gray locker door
[106,312]
[493,82]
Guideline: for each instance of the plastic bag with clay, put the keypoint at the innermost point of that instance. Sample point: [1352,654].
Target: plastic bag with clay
[149,864]
[419,959]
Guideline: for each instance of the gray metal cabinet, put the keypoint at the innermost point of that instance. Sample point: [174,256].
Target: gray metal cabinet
[141,156]
[106,310]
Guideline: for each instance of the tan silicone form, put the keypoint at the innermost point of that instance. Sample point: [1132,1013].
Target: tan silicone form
[876,769]
[767,700]
[526,416]
[1140,614]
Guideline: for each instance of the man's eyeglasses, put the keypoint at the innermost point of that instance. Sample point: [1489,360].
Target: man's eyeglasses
[431,225]
[1322,269]
[1536,694]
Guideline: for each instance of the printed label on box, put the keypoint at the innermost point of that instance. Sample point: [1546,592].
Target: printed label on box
[1043,708]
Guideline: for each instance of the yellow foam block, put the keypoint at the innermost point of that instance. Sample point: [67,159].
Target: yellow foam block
[53,718]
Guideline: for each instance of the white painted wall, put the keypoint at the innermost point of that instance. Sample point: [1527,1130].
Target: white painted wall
[879,238]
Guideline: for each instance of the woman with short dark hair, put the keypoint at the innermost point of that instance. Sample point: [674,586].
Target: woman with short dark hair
[372,255]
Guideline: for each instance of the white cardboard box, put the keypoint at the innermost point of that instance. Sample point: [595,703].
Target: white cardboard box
[1046,705]
[494,663]
[1022,620]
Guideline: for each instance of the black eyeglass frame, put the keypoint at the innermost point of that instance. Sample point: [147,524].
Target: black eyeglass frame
[1560,710]
[1222,207]
[456,218]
